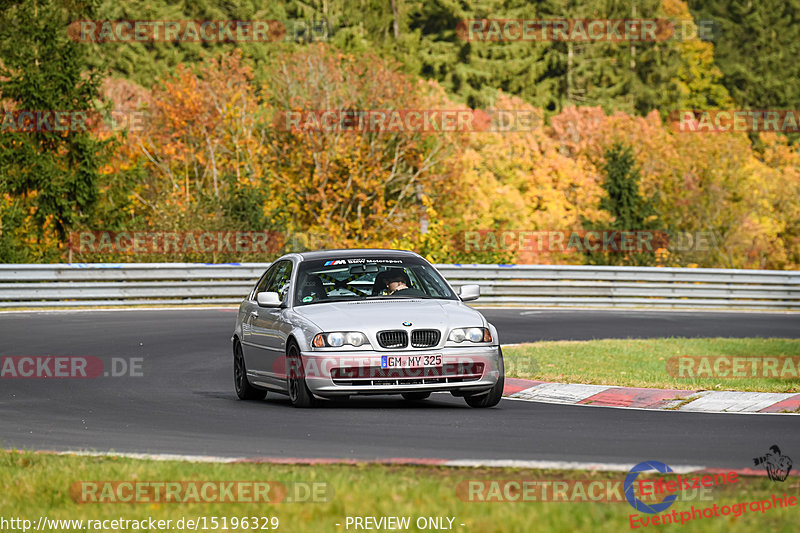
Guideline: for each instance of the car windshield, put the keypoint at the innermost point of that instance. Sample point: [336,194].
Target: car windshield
[352,278]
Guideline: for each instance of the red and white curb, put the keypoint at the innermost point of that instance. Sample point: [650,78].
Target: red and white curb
[653,399]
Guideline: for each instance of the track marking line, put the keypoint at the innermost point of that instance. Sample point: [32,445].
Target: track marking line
[535,464]
[413,461]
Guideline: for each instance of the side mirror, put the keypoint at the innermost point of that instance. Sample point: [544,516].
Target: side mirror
[268,299]
[469,292]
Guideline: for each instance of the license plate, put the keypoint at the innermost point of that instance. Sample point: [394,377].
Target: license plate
[410,361]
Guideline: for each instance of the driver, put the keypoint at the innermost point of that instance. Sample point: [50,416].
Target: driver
[397,284]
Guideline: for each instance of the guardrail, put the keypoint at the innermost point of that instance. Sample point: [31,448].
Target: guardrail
[76,285]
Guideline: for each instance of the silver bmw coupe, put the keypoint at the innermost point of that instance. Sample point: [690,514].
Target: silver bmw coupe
[334,323]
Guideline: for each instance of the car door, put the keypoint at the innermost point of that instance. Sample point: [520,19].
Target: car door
[251,341]
[269,329]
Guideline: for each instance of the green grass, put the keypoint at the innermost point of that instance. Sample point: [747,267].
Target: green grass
[33,485]
[643,363]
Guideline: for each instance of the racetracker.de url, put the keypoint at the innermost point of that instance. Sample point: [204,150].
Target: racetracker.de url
[198,523]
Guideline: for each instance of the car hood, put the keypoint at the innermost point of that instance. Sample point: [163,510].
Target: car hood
[375,315]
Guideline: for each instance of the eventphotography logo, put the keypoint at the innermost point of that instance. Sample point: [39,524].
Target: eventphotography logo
[777,465]
[630,481]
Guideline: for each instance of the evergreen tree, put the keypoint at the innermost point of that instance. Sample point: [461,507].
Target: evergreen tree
[758,49]
[50,176]
[424,37]
[627,208]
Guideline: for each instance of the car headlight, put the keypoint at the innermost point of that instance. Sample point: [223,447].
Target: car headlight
[336,339]
[470,334]
[355,338]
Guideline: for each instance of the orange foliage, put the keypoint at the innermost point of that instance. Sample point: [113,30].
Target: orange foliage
[213,131]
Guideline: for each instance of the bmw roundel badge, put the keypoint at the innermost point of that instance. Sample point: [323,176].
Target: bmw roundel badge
[406,323]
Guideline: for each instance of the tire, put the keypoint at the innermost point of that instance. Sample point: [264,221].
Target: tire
[299,394]
[244,390]
[495,393]
[416,396]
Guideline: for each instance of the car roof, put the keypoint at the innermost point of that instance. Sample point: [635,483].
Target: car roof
[350,252]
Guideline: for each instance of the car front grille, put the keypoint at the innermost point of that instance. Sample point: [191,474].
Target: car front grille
[393,339]
[425,338]
[375,375]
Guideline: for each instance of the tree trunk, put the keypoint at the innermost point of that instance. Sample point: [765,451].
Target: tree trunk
[396,22]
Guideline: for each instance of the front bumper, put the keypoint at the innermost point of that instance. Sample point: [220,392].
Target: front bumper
[464,370]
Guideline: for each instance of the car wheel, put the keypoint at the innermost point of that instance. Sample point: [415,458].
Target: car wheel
[244,390]
[494,395]
[299,394]
[416,396]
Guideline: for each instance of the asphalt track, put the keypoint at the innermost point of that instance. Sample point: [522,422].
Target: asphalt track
[184,402]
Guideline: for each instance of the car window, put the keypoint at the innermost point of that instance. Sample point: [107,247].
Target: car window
[261,286]
[357,278]
[279,282]
[429,281]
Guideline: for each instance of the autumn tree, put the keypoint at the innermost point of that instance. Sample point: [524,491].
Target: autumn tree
[193,163]
[357,185]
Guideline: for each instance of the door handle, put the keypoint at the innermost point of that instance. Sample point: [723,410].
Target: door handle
[254,314]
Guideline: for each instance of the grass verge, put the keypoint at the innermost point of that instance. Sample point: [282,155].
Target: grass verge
[35,485]
[643,362]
